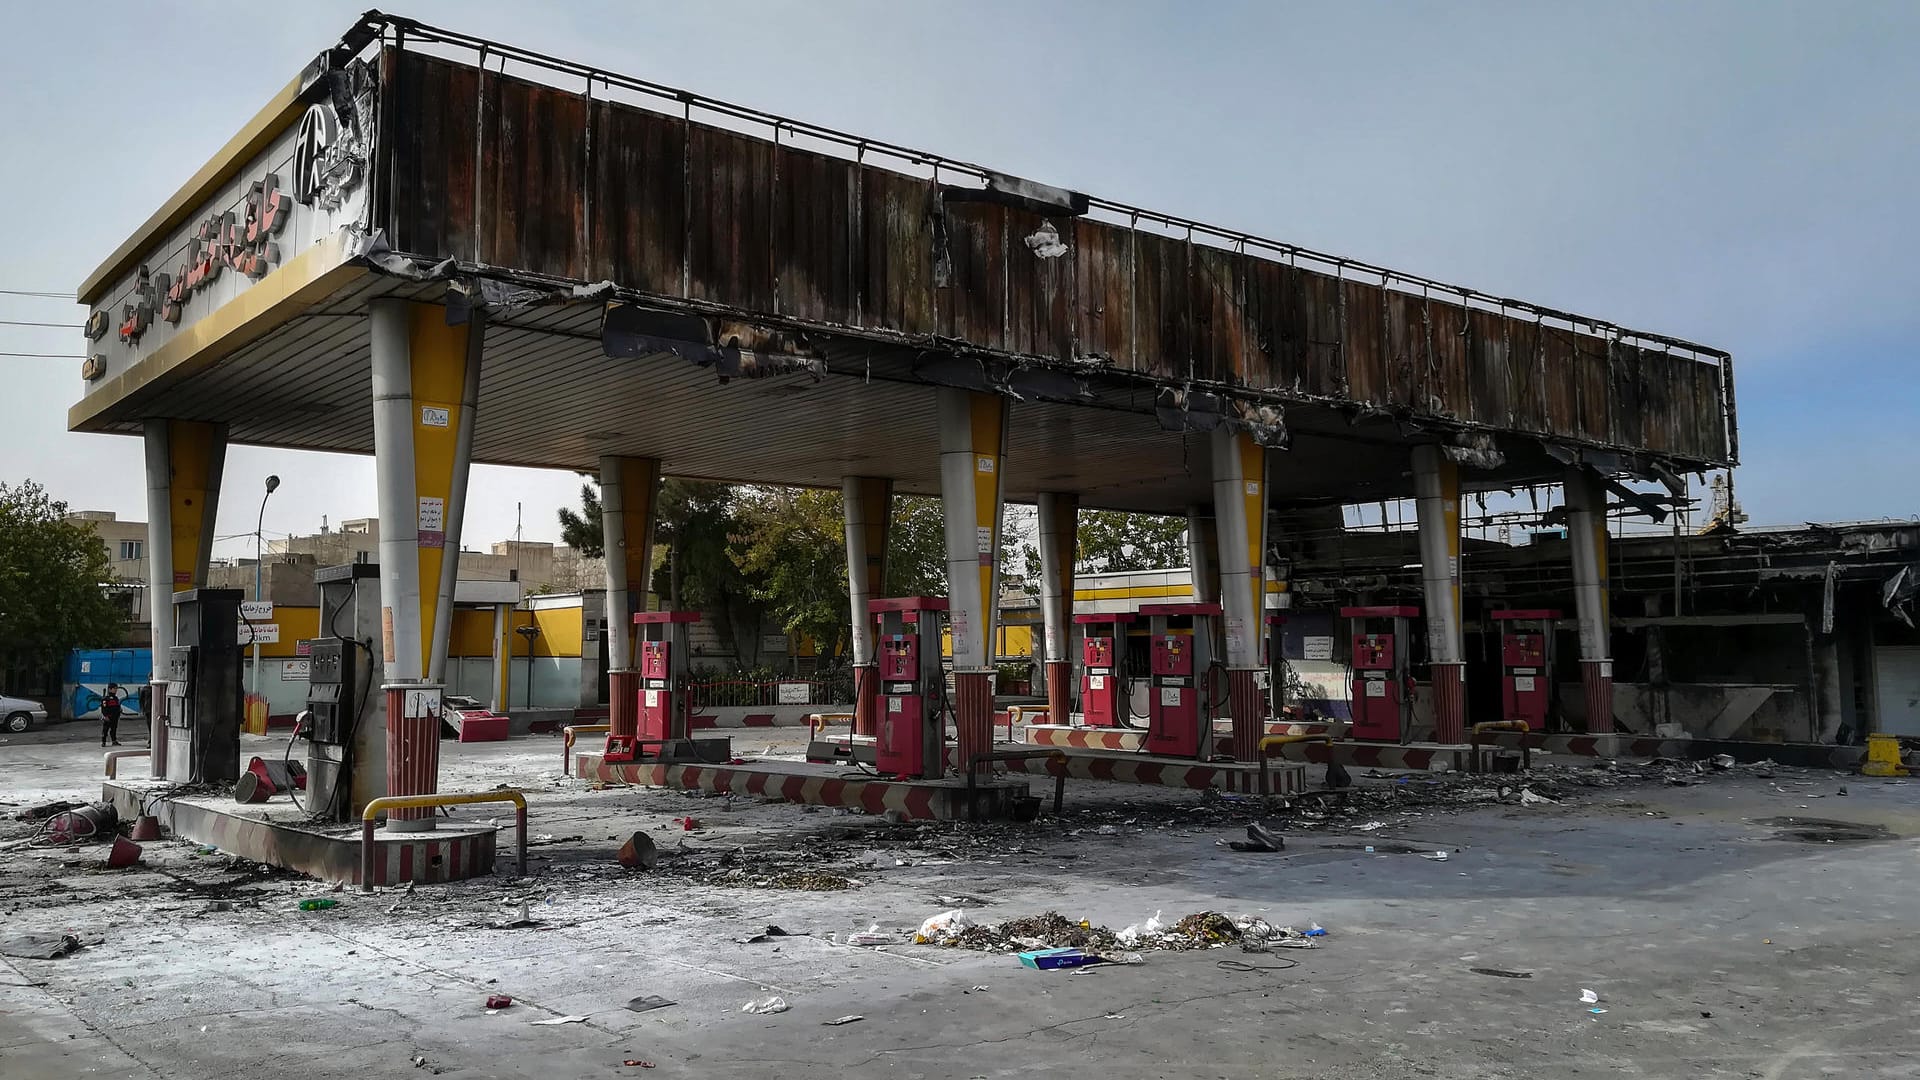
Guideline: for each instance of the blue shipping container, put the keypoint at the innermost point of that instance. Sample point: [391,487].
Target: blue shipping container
[90,670]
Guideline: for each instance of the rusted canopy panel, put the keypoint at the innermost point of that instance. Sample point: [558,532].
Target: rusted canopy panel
[551,183]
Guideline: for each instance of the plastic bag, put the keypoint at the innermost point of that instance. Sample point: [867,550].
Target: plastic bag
[774,1004]
[938,928]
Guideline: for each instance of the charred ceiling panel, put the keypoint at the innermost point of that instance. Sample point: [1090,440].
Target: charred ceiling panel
[1163,326]
[973,302]
[638,219]
[897,272]
[1489,391]
[1447,376]
[514,177]
[730,209]
[815,221]
[1560,374]
[1525,400]
[1363,342]
[435,110]
[1103,261]
[1406,347]
[534,158]
[1038,283]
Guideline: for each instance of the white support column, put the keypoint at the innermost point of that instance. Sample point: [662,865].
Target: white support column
[159,587]
[1203,539]
[1059,546]
[613,535]
[1587,539]
[1436,486]
[393,471]
[867,509]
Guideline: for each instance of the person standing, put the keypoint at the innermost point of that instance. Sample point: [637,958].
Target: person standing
[110,715]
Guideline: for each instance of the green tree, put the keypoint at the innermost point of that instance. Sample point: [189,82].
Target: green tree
[1112,540]
[917,548]
[51,575]
[580,529]
[790,544]
[694,525]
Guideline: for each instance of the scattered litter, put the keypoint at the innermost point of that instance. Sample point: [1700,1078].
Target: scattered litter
[1115,1016]
[838,1020]
[636,1063]
[320,904]
[1502,973]
[1260,839]
[687,824]
[498,1001]
[1435,856]
[1053,959]
[522,921]
[1723,761]
[766,1006]
[873,937]
[39,946]
[980,989]
[1596,1012]
[1528,798]
[1369,849]
[560,1020]
[939,928]
[1314,930]
[1370,826]
[1588,997]
[217,905]
[647,1003]
[638,853]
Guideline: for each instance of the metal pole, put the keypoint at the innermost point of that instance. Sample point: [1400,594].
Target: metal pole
[259,524]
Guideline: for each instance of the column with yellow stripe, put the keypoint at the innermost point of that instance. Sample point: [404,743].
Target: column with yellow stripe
[426,384]
[1240,518]
[973,437]
[185,460]
[629,491]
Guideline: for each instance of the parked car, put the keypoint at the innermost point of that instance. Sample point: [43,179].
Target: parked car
[19,714]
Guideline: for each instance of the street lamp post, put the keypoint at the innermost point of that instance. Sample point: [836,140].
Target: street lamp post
[273,483]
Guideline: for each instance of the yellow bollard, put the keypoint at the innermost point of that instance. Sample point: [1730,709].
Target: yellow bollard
[1883,757]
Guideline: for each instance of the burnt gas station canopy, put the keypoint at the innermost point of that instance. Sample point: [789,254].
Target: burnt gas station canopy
[750,298]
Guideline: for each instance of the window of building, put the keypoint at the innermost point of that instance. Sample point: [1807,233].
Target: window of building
[131,549]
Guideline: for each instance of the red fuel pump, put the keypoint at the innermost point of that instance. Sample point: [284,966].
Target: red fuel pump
[910,740]
[1526,665]
[1382,700]
[666,705]
[1180,673]
[1103,669]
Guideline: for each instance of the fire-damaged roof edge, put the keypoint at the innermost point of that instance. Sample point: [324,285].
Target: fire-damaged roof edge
[736,344]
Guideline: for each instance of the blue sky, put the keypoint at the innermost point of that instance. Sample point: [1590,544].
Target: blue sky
[1735,173]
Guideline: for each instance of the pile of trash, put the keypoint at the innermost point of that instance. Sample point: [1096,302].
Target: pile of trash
[1052,930]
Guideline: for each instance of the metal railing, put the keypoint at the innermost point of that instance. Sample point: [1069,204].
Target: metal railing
[755,693]
[404,802]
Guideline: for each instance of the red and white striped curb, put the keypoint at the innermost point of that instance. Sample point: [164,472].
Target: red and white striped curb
[1125,768]
[1414,758]
[1128,739]
[917,801]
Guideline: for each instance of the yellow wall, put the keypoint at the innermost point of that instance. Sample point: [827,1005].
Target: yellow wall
[472,633]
